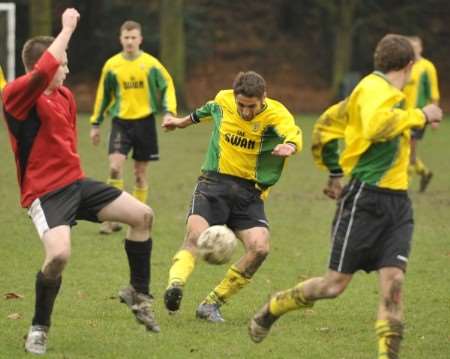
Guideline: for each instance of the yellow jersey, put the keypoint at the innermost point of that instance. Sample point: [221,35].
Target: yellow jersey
[2,79]
[422,88]
[375,133]
[243,148]
[130,89]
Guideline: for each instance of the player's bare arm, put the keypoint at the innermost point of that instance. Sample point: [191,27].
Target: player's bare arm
[433,114]
[95,135]
[284,150]
[69,22]
[171,122]
[333,188]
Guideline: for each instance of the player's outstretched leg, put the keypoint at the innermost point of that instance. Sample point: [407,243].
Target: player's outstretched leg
[182,266]
[281,303]
[261,323]
[183,263]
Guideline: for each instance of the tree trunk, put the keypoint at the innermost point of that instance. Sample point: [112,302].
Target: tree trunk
[343,44]
[40,17]
[172,45]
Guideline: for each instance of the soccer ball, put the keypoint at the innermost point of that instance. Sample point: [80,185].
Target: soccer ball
[216,244]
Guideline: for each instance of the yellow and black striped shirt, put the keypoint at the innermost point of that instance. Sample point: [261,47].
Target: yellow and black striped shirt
[375,134]
[243,148]
[130,89]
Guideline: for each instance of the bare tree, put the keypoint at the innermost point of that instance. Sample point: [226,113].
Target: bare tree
[173,44]
[343,15]
[40,17]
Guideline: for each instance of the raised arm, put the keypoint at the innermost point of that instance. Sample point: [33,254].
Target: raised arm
[69,22]
[20,95]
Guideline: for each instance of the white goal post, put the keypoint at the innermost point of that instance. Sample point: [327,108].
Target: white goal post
[9,38]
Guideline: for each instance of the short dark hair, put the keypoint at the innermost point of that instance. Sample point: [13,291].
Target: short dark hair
[131,25]
[393,52]
[249,84]
[33,49]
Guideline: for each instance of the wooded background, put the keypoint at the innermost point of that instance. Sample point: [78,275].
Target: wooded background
[310,51]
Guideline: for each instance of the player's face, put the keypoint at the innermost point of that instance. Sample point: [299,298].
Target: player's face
[60,75]
[249,107]
[131,41]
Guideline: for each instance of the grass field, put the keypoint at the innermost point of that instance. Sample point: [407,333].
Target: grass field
[88,321]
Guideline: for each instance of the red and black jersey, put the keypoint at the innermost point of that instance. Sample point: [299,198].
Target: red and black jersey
[42,130]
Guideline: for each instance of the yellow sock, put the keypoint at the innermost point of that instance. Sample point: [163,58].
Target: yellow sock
[141,193]
[420,168]
[288,300]
[390,334]
[233,282]
[118,183]
[182,266]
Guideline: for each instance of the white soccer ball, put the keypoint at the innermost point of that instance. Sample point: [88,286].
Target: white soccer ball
[216,244]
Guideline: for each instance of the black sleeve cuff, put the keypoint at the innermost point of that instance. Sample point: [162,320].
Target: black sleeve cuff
[336,173]
[194,117]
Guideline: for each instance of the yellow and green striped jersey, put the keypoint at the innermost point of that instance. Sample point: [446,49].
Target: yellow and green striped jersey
[375,133]
[2,79]
[243,148]
[422,88]
[130,89]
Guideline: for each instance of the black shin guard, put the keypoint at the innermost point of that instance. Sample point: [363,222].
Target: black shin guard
[139,257]
[46,292]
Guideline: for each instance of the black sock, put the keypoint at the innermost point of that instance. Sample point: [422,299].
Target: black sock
[46,292]
[139,257]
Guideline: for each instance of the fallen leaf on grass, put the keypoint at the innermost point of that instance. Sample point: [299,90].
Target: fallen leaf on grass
[13,295]
[15,316]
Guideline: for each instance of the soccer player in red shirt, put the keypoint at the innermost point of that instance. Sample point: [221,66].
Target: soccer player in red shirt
[41,118]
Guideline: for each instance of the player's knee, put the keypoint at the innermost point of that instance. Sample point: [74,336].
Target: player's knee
[147,217]
[334,288]
[56,264]
[191,238]
[114,171]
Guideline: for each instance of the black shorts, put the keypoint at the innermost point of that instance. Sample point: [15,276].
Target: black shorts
[82,200]
[372,229]
[224,199]
[418,133]
[139,135]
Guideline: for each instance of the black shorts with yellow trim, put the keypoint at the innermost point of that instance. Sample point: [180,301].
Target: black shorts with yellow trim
[137,135]
[223,199]
[372,229]
[80,200]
